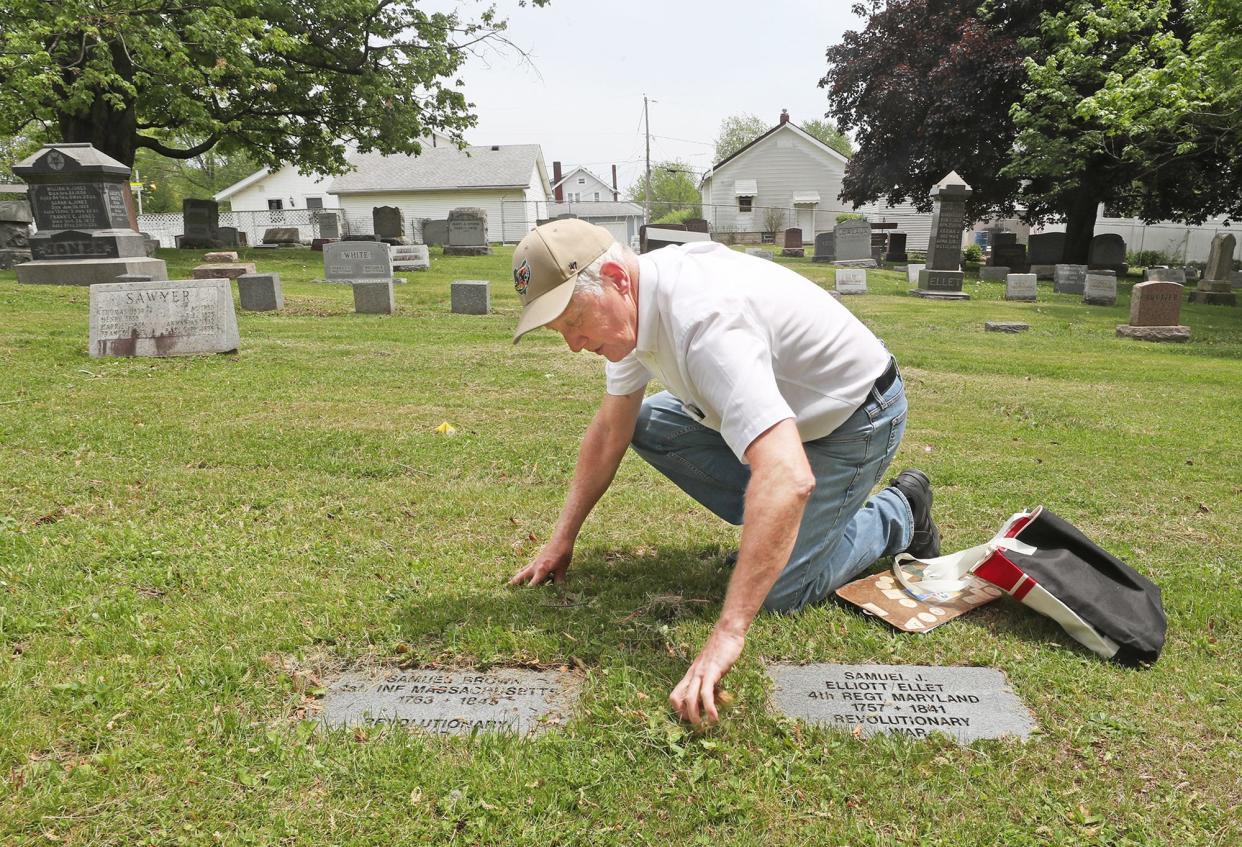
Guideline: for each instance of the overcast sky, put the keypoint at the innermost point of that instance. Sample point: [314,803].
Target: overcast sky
[580,93]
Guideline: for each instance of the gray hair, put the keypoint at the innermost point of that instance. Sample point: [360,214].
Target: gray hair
[590,280]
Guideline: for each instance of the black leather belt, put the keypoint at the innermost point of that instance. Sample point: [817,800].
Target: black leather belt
[886,379]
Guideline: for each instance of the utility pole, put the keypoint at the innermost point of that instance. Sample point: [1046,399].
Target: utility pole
[647,187]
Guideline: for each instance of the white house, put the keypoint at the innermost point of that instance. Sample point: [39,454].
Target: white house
[279,190]
[509,182]
[582,186]
[790,170]
[584,195]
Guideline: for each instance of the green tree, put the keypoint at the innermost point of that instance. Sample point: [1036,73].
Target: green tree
[830,135]
[176,179]
[284,81]
[15,148]
[736,131]
[673,189]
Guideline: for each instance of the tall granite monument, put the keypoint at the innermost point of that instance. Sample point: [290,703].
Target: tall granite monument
[942,278]
[1214,288]
[88,232]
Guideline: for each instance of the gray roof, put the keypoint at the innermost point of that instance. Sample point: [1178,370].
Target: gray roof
[590,209]
[441,168]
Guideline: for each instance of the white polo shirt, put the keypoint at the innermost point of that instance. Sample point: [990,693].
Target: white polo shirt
[745,343]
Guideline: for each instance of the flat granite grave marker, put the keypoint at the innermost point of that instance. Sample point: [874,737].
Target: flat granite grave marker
[760,253]
[1100,288]
[1069,279]
[966,704]
[942,278]
[852,244]
[851,281]
[1155,313]
[411,257]
[374,297]
[1021,287]
[448,702]
[470,296]
[216,265]
[261,292]
[1177,275]
[282,236]
[87,230]
[1005,326]
[825,250]
[163,318]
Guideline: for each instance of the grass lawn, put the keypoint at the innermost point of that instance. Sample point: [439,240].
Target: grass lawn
[188,545]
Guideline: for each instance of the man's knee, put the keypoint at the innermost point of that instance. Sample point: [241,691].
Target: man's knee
[784,600]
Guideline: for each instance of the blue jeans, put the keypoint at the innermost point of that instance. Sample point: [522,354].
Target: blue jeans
[843,531]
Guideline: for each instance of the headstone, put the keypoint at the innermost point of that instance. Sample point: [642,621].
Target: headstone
[852,243]
[435,232]
[328,223]
[1046,248]
[698,225]
[966,704]
[1192,273]
[216,265]
[896,247]
[15,220]
[825,250]
[261,292]
[1108,252]
[1155,313]
[1004,239]
[317,243]
[654,237]
[353,261]
[230,236]
[1020,287]
[164,318]
[87,231]
[1215,288]
[912,273]
[1177,275]
[467,233]
[760,253]
[851,280]
[1005,326]
[389,222]
[1235,280]
[201,222]
[133,278]
[471,297]
[791,243]
[1100,288]
[452,702]
[1012,256]
[1069,279]
[411,257]
[282,236]
[150,243]
[993,273]
[942,278]
[374,298]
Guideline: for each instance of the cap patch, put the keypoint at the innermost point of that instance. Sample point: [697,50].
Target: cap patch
[521,278]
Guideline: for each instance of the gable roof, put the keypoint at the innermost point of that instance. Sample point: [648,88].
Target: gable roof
[788,125]
[586,171]
[443,169]
[241,184]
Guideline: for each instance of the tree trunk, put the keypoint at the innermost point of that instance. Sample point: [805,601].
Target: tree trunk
[1080,226]
[109,130]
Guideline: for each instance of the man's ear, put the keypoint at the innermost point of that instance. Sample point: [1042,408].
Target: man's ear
[617,274]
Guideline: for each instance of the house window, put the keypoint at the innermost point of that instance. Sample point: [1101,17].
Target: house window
[582,180]
[596,196]
[275,205]
[573,196]
[314,202]
[744,203]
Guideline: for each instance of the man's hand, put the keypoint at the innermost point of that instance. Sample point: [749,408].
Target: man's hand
[694,698]
[553,560]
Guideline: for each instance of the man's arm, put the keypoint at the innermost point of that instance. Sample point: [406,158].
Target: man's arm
[781,481]
[600,455]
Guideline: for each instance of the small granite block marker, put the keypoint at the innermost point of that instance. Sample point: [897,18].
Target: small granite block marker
[1005,326]
[1155,313]
[374,298]
[942,278]
[1021,287]
[471,297]
[825,250]
[446,702]
[966,704]
[1069,279]
[1100,288]
[222,256]
[851,281]
[164,318]
[260,292]
[225,265]
[762,254]
[852,244]
[912,273]
[993,273]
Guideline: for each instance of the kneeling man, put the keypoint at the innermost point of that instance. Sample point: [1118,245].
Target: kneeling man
[781,413]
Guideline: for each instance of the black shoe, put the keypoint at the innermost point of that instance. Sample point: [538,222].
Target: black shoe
[916,488]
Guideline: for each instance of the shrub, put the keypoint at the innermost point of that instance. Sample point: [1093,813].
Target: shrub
[973,253]
[850,216]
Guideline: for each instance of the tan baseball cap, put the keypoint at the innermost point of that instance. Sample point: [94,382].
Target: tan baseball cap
[546,264]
